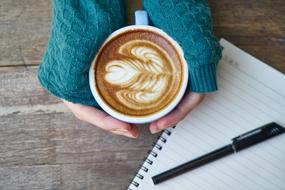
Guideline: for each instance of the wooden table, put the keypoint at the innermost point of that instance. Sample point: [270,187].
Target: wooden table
[44,147]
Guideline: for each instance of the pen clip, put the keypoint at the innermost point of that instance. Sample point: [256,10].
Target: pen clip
[247,134]
[271,128]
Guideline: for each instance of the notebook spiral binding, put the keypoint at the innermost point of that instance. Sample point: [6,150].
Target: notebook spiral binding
[153,153]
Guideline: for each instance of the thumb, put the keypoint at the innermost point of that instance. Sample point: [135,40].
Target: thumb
[116,126]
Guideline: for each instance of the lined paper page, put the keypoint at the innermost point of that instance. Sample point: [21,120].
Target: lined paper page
[250,95]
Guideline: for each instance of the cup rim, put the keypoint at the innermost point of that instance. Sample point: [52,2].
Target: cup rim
[147,118]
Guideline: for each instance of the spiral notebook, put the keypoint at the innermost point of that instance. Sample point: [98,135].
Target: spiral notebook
[250,95]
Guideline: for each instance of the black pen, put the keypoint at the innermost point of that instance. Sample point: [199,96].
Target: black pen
[238,143]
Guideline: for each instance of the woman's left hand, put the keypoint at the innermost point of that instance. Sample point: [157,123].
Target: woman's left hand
[188,103]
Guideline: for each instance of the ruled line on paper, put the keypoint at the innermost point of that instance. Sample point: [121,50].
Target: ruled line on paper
[254,68]
[183,138]
[256,88]
[244,90]
[254,84]
[242,103]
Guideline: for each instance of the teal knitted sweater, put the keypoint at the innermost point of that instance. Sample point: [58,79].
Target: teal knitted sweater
[79,27]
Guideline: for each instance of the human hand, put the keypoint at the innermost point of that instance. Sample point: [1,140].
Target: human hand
[101,119]
[188,103]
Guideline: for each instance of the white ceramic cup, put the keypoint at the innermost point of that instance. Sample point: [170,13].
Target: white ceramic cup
[141,23]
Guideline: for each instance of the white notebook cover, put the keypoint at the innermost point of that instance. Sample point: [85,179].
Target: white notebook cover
[250,95]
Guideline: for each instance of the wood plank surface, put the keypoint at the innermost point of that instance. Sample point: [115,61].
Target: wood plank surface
[32,138]
[87,156]
[19,86]
[256,26]
[59,138]
[25,26]
[90,176]
[24,30]
[43,146]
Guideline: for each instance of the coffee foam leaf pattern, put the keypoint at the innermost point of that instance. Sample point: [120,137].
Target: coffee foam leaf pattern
[142,72]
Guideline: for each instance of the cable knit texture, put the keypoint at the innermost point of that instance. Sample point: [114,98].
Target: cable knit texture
[79,27]
[189,23]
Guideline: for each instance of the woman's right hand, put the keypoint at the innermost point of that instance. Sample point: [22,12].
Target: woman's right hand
[101,119]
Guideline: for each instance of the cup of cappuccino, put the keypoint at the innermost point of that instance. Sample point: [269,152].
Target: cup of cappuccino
[139,74]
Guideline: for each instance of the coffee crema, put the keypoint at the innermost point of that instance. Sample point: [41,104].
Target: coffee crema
[138,72]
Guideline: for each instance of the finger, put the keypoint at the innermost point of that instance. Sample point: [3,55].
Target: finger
[100,119]
[116,125]
[189,102]
[153,127]
[121,133]
[134,131]
[96,117]
[168,121]
[110,123]
[131,134]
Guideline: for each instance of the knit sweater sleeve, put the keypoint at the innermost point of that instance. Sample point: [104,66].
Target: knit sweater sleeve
[78,29]
[189,23]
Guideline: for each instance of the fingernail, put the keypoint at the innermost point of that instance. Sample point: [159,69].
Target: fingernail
[130,135]
[154,130]
[160,124]
[122,130]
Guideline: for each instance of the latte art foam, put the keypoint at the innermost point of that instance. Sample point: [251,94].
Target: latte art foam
[141,74]
[138,73]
